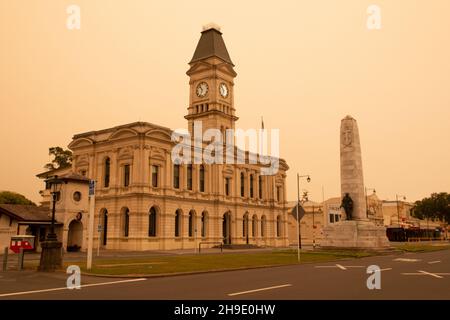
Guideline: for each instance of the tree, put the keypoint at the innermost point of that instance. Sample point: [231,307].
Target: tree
[437,206]
[9,197]
[62,158]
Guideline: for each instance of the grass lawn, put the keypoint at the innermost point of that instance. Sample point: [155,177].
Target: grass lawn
[190,263]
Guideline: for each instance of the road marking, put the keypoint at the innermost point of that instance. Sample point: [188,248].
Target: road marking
[430,274]
[339,266]
[425,273]
[262,289]
[433,262]
[406,260]
[65,288]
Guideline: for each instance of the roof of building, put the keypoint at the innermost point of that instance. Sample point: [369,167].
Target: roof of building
[23,212]
[211,44]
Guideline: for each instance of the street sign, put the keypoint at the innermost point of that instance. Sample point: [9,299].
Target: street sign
[91,187]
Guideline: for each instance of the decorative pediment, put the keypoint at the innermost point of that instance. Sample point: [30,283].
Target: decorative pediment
[198,67]
[82,160]
[158,134]
[228,170]
[80,142]
[125,153]
[157,153]
[227,68]
[123,134]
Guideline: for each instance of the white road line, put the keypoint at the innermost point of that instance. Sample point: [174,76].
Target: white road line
[65,288]
[256,290]
[339,266]
[406,260]
[430,274]
[433,262]
[324,266]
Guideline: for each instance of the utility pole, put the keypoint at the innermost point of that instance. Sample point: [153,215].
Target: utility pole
[299,239]
[91,223]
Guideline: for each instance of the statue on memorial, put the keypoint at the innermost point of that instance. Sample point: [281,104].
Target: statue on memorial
[347,204]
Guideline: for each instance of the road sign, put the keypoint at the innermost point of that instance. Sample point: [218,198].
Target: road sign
[91,187]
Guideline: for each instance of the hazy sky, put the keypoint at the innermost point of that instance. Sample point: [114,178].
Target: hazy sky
[303,65]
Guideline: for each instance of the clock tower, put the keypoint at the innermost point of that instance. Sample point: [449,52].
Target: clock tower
[211,95]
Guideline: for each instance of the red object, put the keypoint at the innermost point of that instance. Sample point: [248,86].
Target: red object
[16,244]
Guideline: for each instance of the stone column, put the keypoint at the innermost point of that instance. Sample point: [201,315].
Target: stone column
[352,181]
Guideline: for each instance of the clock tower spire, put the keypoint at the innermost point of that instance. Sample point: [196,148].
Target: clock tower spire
[211,72]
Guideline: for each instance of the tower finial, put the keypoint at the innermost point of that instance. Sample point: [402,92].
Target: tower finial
[211,25]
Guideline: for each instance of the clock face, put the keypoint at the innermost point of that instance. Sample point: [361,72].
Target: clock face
[202,89]
[223,90]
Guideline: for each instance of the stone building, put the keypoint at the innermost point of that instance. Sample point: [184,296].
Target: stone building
[146,201]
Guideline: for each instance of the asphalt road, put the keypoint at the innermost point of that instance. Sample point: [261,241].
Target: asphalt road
[404,276]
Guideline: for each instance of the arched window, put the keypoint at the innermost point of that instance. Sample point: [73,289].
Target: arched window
[263,226]
[177,223]
[191,230]
[245,226]
[254,226]
[152,222]
[204,223]
[126,222]
[202,178]
[107,172]
[242,184]
[251,186]
[279,226]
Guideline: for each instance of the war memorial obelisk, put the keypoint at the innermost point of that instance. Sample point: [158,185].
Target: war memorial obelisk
[356,231]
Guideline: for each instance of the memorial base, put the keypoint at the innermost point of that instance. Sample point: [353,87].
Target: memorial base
[355,234]
[51,256]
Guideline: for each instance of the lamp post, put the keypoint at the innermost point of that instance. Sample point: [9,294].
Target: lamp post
[367,203]
[51,255]
[299,242]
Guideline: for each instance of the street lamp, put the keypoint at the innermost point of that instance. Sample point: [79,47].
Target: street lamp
[299,242]
[367,199]
[51,255]
[398,209]
[55,185]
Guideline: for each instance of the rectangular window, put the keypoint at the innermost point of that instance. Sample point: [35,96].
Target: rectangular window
[227,186]
[279,194]
[251,186]
[155,172]
[176,176]
[126,175]
[202,179]
[331,218]
[189,177]
[260,187]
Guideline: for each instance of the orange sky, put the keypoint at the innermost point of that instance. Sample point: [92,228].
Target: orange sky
[303,65]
